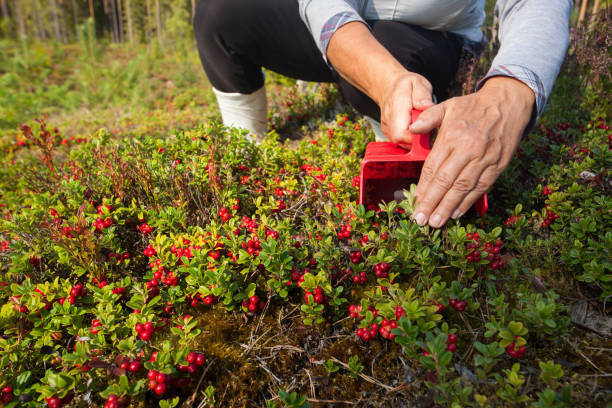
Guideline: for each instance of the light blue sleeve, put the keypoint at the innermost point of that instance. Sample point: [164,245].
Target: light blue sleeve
[534,36]
[324,17]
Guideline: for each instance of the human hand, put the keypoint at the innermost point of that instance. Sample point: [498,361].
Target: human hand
[478,136]
[403,93]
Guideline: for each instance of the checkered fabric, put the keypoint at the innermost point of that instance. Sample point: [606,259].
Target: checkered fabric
[526,76]
[333,23]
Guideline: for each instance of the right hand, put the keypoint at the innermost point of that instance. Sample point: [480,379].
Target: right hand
[403,93]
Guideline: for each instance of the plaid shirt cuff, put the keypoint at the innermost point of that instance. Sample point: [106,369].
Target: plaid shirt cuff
[526,76]
[335,22]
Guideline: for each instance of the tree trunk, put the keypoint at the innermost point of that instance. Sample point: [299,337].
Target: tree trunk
[39,21]
[193,8]
[128,12]
[148,22]
[120,19]
[595,11]
[113,16]
[582,11]
[20,18]
[158,22]
[91,10]
[5,15]
[62,18]
[75,17]
[56,27]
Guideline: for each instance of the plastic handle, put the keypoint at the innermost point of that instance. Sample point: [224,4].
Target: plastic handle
[420,142]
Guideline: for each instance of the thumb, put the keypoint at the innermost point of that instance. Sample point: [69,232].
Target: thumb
[430,119]
[421,95]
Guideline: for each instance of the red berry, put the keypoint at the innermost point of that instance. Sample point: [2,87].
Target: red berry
[452,338]
[135,366]
[452,347]
[152,374]
[161,378]
[200,359]
[160,389]
[191,357]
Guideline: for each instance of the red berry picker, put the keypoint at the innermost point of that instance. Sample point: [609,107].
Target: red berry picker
[388,169]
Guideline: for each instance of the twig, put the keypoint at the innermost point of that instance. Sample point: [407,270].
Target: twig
[318,401]
[189,402]
[368,378]
[312,388]
[585,357]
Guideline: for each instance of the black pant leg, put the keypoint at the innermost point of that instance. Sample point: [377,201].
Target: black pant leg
[433,54]
[235,38]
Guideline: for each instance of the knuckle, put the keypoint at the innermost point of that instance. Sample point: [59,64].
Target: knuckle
[427,173]
[481,186]
[443,180]
[463,185]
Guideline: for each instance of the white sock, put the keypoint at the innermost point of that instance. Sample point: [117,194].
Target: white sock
[247,111]
[375,125]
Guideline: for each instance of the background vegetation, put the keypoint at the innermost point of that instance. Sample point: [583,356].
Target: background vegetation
[126,203]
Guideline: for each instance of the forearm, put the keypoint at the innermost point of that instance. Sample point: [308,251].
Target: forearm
[360,59]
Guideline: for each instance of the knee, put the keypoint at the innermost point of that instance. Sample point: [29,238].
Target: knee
[209,18]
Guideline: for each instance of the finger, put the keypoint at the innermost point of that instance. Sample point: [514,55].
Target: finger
[430,119]
[485,181]
[469,182]
[422,94]
[400,120]
[438,184]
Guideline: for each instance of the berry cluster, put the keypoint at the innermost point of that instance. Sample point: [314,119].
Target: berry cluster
[145,331]
[318,296]
[252,246]
[157,382]
[512,220]
[451,342]
[208,300]
[546,191]
[381,270]
[145,228]
[356,257]
[297,276]
[550,217]
[119,257]
[458,305]
[76,291]
[253,304]
[56,402]
[150,251]
[133,366]
[225,214]
[385,328]
[96,324]
[494,256]
[360,277]
[194,361]
[115,402]
[102,223]
[6,395]
[345,232]
[356,181]
[366,335]
[354,311]
[516,352]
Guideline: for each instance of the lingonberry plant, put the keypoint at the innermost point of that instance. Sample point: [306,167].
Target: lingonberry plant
[144,268]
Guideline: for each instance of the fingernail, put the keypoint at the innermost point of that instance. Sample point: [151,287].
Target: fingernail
[417,122]
[456,214]
[435,221]
[420,219]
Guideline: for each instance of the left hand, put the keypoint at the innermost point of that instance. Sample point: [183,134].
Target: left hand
[478,136]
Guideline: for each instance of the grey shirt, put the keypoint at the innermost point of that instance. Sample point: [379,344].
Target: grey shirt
[533,34]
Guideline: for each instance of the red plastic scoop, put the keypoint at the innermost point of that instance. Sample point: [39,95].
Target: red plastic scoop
[387,169]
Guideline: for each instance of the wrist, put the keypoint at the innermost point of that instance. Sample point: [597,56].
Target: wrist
[509,90]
